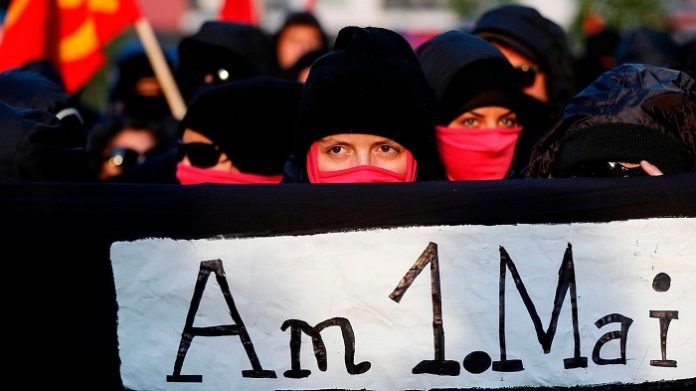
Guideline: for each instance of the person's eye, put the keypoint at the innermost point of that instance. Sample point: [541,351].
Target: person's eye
[508,122]
[336,149]
[469,122]
[387,148]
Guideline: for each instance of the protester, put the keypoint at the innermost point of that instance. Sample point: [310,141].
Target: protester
[538,49]
[135,91]
[478,106]
[598,57]
[41,131]
[300,34]
[645,45]
[634,120]
[221,52]
[239,133]
[119,145]
[37,146]
[366,114]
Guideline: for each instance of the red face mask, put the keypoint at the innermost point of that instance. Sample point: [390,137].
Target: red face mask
[358,174]
[190,175]
[476,153]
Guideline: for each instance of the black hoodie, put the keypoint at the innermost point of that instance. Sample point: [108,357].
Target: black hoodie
[631,113]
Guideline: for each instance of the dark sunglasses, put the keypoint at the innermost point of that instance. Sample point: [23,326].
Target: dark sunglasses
[606,170]
[125,158]
[526,74]
[201,155]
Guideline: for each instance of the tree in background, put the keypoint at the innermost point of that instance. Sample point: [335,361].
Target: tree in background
[471,9]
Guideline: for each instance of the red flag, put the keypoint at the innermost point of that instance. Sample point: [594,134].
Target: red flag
[71,38]
[240,11]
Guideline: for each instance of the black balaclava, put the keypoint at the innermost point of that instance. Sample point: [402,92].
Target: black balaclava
[467,72]
[132,66]
[227,51]
[371,83]
[250,120]
[632,112]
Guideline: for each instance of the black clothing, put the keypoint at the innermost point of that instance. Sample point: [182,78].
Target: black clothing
[526,30]
[370,83]
[37,146]
[250,120]
[631,113]
[644,45]
[227,51]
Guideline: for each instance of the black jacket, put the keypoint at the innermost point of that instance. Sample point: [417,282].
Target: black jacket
[630,113]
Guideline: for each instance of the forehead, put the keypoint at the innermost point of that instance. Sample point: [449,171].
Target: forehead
[355,138]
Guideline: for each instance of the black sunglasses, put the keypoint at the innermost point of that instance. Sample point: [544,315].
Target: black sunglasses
[125,158]
[202,155]
[526,74]
[606,170]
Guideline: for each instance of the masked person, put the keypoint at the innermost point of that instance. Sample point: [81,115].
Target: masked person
[239,133]
[479,105]
[119,145]
[135,91]
[633,120]
[42,133]
[366,114]
[538,49]
[221,52]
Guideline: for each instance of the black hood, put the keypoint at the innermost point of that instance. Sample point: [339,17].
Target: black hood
[525,29]
[460,67]
[36,147]
[250,120]
[30,90]
[630,113]
[27,89]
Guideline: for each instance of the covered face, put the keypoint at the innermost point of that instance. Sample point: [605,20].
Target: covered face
[239,132]
[479,103]
[631,114]
[366,113]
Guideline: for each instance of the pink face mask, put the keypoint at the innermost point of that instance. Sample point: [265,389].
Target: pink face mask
[190,175]
[476,153]
[358,174]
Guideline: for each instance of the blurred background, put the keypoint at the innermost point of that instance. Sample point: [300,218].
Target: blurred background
[417,20]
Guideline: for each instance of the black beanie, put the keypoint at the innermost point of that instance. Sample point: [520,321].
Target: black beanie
[371,83]
[250,120]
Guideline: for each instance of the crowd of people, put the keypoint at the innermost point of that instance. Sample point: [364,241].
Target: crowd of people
[504,100]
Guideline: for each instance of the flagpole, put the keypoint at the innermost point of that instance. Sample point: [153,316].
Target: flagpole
[164,75]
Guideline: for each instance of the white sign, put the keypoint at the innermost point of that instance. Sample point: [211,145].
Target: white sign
[579,304]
